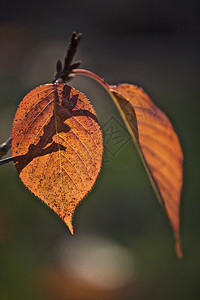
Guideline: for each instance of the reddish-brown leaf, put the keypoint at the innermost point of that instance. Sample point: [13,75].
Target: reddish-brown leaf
[158,146]
[57,146]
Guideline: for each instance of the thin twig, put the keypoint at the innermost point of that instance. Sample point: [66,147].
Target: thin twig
[5,147]
[6,160]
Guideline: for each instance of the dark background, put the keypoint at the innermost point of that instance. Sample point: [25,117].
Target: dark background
[123,243]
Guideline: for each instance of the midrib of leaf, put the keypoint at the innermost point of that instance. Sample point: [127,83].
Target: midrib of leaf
[66,218]
[57,136]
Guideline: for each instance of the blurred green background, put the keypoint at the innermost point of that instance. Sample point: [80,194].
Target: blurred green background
[123,244]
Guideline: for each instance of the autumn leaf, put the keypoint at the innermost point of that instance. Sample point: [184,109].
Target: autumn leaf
[57,142]
[158,146]
[57,146]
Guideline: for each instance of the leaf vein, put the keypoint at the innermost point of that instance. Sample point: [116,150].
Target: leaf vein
[74,168]
[81,123]
[79,140]
[75,152]
[33,106]
[29,126]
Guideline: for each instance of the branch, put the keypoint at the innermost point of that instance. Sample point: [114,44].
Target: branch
[6,160]
[4,148]
[64,73]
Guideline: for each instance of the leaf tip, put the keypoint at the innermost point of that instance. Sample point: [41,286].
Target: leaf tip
[68,222]
[178,249]
[71,229]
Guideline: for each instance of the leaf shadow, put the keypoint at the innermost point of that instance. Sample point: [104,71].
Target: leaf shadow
[65,107]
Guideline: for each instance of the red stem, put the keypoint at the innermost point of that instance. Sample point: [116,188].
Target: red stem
[93,76]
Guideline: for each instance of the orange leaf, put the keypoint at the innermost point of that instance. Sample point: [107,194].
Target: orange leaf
[57,146]
[157,145]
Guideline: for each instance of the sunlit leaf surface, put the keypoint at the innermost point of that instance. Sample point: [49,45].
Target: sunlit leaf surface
[57,146]
[158,146]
